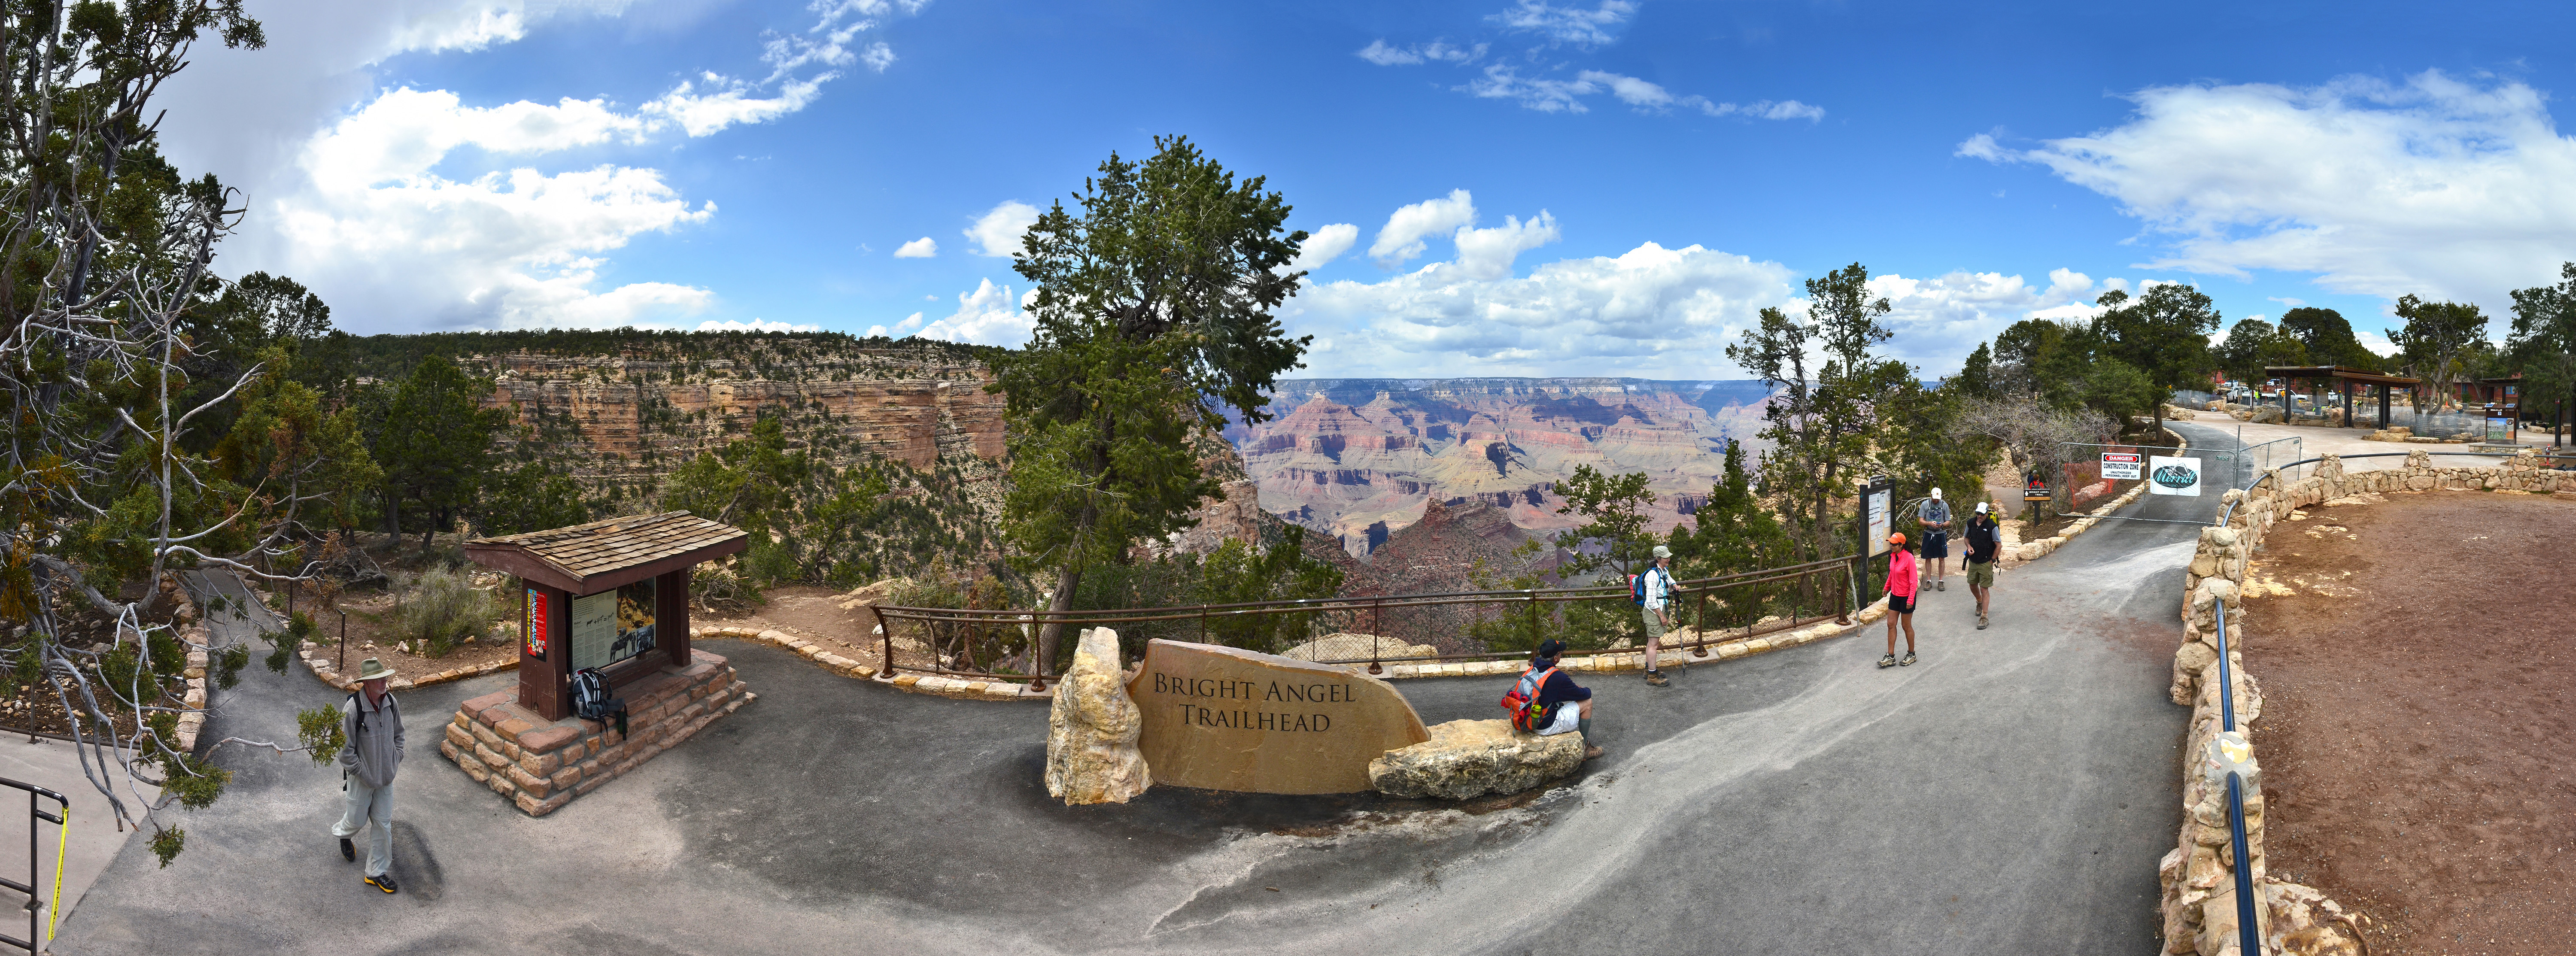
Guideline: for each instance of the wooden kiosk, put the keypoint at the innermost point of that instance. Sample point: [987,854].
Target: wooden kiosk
[612,595]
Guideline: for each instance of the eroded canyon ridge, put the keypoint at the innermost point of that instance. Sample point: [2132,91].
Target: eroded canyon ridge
[1360,458]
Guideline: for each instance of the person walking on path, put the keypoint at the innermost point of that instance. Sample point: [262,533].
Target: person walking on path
[1904,578]
[1556,691]
[1935,517]
[372,723]
[1984,541]
[1655,590]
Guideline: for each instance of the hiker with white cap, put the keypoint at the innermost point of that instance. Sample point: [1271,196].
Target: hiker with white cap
[1653,594]
[1935,517]
[1984,543]
[372,723]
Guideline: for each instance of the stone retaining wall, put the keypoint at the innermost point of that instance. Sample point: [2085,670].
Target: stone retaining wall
[2199,900]
[539,765]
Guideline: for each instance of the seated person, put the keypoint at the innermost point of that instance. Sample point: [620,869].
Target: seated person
[1572,703]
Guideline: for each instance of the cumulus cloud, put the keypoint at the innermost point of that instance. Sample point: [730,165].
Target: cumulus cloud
[1383,54]
[1550,95]
[412,209]
[2431,185]
[922,248]
[1488,253]
[1323,245]
[755,325]
[1568,24]
[989,315]
[1402,236]
[997,232]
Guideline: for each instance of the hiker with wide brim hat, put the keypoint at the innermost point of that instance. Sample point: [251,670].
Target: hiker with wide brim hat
[372,724]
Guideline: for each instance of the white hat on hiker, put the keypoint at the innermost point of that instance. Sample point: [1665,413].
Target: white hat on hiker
[1981,507]
[1936,494]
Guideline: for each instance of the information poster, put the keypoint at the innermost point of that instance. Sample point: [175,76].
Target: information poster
[536,623]
[2122,466]
[2500,431]
[634,620]
[594,629]
[1878,521]
[2174,476]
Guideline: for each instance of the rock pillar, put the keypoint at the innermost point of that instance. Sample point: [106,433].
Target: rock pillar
[1092,730]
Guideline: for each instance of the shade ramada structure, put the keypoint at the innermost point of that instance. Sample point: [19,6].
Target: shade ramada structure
[561,565]
[2344,380]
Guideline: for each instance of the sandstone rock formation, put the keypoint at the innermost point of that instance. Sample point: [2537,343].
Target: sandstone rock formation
[1092,731]
[1472,758]
[1346,455]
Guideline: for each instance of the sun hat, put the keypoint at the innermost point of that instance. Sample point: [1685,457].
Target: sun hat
[1897,538]
[371,668]
[1663,552]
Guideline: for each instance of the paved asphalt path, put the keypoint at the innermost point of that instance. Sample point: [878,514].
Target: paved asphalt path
[2010,793]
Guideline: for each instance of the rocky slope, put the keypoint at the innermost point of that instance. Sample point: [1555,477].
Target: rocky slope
[1359,459]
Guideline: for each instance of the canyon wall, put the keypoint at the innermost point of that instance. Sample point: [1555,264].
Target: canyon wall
[1360,458]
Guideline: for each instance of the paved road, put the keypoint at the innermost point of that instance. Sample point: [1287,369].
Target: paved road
[2010,793]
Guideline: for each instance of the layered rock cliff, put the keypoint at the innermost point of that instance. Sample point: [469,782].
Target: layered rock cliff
[1361,458]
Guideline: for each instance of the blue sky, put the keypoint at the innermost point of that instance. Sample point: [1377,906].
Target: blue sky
[1600,188]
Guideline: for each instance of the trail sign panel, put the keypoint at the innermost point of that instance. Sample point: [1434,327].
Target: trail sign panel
[2122,465]
[1880,501]
[2036,489]
[2174,476]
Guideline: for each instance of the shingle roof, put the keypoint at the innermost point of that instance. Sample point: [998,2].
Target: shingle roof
[604,547]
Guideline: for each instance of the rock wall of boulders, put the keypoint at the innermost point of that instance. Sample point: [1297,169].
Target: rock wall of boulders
[2199,905]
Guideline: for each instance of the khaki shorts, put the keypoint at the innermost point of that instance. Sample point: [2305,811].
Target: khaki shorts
[1654,625]
[1981,575]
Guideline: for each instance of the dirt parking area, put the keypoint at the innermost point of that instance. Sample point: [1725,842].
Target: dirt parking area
[2418,677]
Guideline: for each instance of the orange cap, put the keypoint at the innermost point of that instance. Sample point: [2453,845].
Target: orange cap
[1897,538]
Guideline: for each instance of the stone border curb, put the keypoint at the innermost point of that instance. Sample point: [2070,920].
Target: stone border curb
[316,656]
[193,633]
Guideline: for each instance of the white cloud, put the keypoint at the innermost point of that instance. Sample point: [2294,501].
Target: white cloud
[1573,25]
[997,233]
[877,56]
[2430,186]
[1981,146]
[1380,53]
[382,234]
[1502,81]
[756,325]
[922,248]
[1324,245]
[1401,238]
[730,102]
[464,26]
[1488,253]
[990,315]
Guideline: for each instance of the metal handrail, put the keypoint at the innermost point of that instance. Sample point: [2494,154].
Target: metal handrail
[1699,588]
[35,905]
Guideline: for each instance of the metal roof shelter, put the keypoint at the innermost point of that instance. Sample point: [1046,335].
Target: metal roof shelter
[2344,378]
[610,594]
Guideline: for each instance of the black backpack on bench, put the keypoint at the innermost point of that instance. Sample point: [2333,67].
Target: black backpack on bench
[590,700]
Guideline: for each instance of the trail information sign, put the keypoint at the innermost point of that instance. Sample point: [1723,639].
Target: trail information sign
[2123,466]
[2036,489]
[1880,502]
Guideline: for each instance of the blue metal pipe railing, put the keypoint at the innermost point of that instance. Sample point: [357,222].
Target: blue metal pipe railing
[2249,933]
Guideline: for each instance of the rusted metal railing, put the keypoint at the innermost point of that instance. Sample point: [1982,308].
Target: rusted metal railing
[1734,604]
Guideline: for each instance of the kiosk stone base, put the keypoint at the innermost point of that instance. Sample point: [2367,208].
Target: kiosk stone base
[540,765]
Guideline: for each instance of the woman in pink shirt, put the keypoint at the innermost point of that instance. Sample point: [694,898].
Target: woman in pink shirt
[1904,575]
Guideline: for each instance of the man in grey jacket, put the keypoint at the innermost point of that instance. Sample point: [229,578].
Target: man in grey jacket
[373,726]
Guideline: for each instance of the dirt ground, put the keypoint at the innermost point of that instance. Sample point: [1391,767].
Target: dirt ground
[2418,663]
[812,613]
[370,622]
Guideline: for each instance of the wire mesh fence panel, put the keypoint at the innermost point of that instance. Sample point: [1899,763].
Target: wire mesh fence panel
[2224,468]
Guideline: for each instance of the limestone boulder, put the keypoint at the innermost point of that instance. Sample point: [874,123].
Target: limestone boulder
[1473,758]
[1091,732]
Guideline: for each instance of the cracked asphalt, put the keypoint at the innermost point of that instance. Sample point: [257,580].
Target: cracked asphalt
[2010,793]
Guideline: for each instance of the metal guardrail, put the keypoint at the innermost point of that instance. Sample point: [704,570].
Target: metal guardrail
[1808,592]
[36,904]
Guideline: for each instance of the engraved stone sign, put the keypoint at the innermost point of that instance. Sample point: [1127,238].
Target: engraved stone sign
[1219,718]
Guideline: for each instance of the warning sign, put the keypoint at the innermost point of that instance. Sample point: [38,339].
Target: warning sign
[2124,466]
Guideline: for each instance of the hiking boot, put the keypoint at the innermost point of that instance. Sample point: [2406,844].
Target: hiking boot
[1656,679]
[1908,661]
[385,882]
[1888,661]
[1941,584]
[1981,622]
[1591,753]
[348,850]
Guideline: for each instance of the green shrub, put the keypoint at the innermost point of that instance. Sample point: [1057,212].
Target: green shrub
[440,608]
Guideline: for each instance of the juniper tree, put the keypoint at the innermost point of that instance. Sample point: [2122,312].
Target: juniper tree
[1153,312]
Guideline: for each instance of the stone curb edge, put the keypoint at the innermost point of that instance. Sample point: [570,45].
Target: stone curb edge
[316,656]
